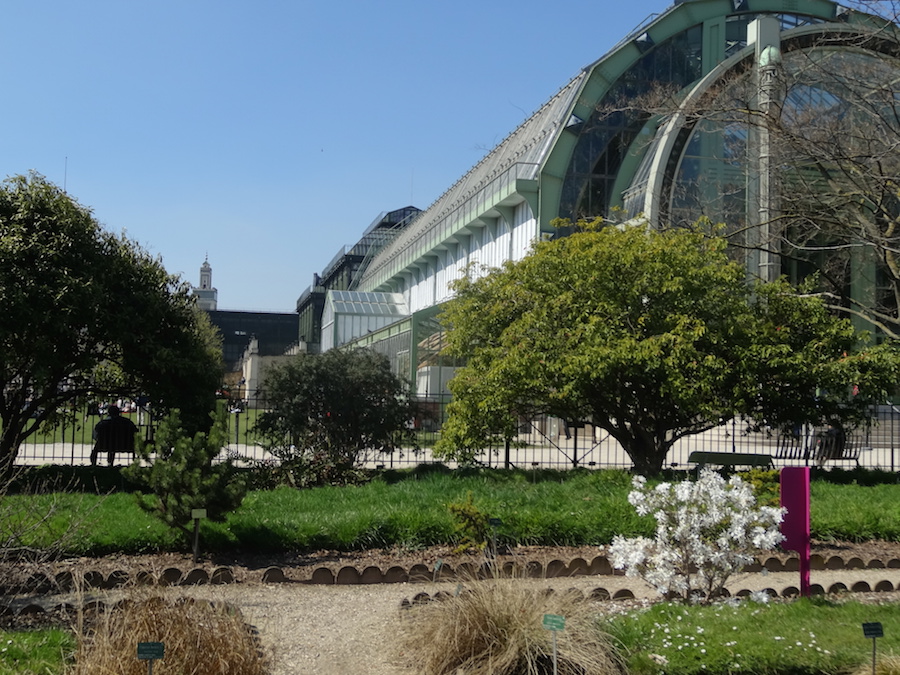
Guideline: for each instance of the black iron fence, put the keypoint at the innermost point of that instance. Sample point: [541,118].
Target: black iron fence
[542,442]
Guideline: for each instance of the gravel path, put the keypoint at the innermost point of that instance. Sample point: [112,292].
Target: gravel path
[350,630]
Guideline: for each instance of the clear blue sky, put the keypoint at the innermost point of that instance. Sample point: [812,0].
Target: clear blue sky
[269,134]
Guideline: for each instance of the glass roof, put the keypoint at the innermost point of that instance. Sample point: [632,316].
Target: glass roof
[372,304]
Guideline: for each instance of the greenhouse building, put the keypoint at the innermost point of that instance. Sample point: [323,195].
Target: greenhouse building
[684,118]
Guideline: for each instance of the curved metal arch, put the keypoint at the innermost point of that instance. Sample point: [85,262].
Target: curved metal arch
[678,129]
[603,74]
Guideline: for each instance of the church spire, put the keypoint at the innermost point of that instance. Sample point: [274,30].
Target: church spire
[207,296]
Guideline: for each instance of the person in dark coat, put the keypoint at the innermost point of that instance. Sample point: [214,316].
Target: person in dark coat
[113,434]
[831,443]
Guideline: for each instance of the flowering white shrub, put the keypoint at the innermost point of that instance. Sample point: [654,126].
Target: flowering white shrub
[706,530]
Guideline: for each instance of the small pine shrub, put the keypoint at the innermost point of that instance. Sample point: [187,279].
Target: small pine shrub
[472,524]
[182,476]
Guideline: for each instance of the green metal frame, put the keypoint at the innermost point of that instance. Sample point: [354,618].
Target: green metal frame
[603,74]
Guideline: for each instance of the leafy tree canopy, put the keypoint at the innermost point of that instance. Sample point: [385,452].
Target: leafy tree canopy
[86,312]
[651,335]
[325,412]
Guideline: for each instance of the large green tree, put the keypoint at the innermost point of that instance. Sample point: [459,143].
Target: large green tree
[87,312]
[651,335]
[327,412]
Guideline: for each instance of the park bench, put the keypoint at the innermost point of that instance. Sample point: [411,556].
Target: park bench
[793,446]
[851,450]
[810,447]
[730,460]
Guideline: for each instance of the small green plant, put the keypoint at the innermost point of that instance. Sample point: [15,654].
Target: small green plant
[182,476]
[472,524]
[766,486]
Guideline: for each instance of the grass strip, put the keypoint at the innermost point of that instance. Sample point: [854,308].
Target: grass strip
[808,636]
[35,651]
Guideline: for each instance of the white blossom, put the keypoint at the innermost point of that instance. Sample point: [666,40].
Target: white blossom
[762,598]
[706,530]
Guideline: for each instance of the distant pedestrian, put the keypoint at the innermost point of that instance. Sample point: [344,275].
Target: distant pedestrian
[831,443]
[113,434]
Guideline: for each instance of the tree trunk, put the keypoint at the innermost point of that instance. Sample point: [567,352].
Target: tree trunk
[648,454]
[647,461]
[10,439]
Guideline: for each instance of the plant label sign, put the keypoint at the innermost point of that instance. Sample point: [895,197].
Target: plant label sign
[873,630]
[197,514]
[554,622]
[150,650]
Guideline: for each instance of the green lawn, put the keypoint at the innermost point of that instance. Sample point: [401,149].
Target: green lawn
[410,509]
[37,652]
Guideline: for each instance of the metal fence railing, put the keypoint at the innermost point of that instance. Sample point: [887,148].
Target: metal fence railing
[544,442]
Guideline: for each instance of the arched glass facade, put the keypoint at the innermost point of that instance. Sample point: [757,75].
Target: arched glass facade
[594,181]
[796,153]
[833,97]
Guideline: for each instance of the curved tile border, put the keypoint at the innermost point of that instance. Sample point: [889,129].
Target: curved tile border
[394,575]
[322,575]
[371,575]
[347,575]
[350,575]
[222,575]
[274,575]
[170,577]
[40,583]
[603,594]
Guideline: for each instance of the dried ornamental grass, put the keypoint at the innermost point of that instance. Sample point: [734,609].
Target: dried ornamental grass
[200,638]
[889,664]
[496,628]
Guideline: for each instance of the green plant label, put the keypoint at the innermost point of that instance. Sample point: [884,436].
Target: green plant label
[150,650]
[554,622]
[197,514]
